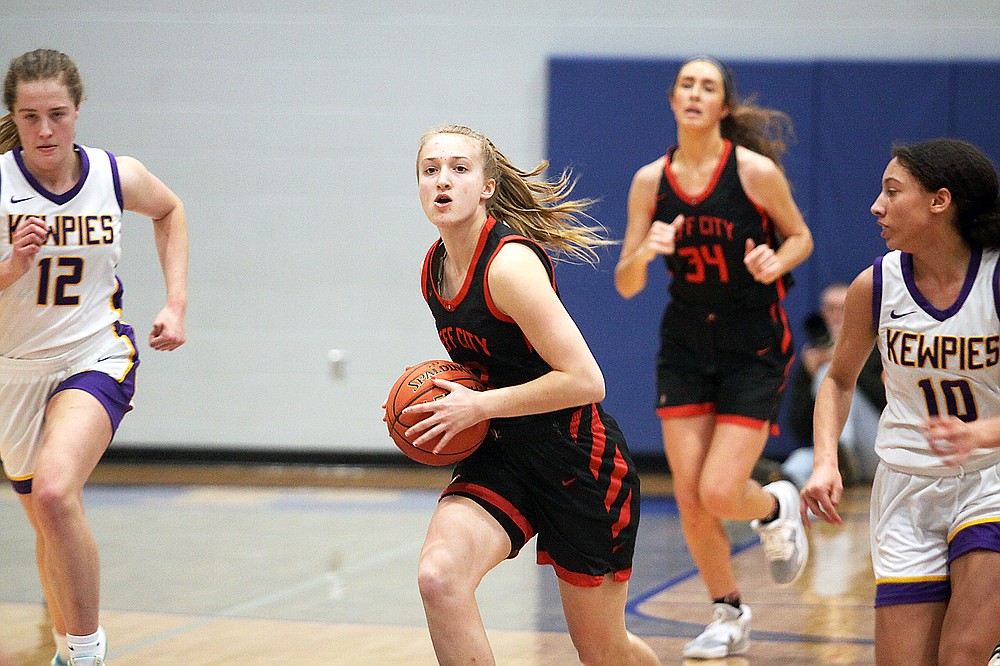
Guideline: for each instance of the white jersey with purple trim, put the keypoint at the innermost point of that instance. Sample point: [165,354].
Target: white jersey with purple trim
[71,291]
[937,362]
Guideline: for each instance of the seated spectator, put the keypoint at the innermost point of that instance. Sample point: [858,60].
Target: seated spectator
[857,444]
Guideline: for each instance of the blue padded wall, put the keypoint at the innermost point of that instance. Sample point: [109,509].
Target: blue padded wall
[607,117]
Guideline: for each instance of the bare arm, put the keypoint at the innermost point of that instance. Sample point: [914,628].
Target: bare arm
[145,194]
[765,184]
[645,238]
[520,287]
[824,489]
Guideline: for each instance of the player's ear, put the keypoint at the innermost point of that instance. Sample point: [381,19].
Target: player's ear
[489,187]
[941,200]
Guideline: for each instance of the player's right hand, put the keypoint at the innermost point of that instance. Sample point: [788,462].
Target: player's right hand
[822,494]
[661,237]
[28,239]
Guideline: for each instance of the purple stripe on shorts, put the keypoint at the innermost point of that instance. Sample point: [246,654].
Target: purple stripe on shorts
[22,486]
[982,536]
[923,592]
[116,398]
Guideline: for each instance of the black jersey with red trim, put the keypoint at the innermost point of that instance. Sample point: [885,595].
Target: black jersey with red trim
[470,326]
[707,267]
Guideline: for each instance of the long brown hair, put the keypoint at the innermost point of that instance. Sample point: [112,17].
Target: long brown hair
[9,138]
[36,65]
[536,208]
[762,130]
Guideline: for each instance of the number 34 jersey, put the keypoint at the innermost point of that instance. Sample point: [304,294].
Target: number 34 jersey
[937,362]
[707,267]
[71,291]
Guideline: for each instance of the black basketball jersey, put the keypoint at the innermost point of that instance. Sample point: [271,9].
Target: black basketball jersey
[471,328]
[707,267]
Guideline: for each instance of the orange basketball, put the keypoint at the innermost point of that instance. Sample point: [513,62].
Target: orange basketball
[416,386]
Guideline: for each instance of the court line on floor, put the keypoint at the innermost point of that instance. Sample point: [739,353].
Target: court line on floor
[325,579]
[679,628]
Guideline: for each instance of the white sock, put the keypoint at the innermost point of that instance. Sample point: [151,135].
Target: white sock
[62,646]
[94,645]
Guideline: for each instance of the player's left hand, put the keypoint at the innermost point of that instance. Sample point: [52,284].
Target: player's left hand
[762,262]
[951,438]
[453,413]
[167,333]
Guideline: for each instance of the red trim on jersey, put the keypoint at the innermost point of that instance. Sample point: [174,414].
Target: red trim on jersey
[425,269]
[680,411]
[782,290]
[770,234]
[701,196]
[778,314]
[579,579]
[486,277]
[496,500]
[624,518]
[452,303]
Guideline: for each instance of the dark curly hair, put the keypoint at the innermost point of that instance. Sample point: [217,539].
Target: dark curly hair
[968,174]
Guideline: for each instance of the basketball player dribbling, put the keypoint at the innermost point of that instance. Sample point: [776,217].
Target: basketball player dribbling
[558,466]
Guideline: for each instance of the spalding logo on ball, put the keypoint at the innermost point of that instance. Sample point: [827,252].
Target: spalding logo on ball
[416,386]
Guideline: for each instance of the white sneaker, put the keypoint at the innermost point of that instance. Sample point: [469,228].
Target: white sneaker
[784,538]
[87,661]
[727,634]
[995,659]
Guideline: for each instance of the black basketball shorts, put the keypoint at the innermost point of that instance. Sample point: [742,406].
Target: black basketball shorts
[566,476]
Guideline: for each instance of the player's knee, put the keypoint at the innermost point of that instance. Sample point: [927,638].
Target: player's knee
[964,648]
[438,578]
[717,499]
[688,499]
[598,652]
[51,500]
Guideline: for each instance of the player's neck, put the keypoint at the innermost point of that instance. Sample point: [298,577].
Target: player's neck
[460,241]
[697,149]
[58,178]
[941,274]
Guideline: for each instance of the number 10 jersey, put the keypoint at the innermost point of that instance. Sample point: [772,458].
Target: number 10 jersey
[937,362]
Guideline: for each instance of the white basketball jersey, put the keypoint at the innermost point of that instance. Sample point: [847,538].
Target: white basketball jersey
[71,291]
[937,362]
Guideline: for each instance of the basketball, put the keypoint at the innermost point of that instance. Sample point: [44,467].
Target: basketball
[416,386]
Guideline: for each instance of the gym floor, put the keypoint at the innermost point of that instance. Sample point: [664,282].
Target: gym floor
[214,564]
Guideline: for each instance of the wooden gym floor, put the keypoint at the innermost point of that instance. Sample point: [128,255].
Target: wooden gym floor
[207,565]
